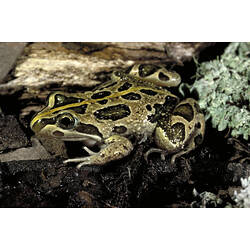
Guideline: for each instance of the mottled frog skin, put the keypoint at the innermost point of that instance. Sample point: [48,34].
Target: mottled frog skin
[117,115]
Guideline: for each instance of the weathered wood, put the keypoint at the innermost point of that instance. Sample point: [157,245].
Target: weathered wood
[48,65]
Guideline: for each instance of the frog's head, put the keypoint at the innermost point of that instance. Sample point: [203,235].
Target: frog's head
[60,119]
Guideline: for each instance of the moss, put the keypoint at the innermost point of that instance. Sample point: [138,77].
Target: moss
[224,90]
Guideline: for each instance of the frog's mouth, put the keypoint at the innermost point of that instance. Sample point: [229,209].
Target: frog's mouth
[87,140]
[73,135]
[52,131]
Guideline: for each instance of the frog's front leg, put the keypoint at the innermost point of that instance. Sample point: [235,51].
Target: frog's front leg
[180,132]
[114,148]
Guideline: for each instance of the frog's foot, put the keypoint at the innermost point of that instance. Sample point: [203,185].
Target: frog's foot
[165,152]
[114,148]
[185,150]
[155,150]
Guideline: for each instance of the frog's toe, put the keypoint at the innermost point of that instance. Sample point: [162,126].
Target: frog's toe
[155,150]
[74,160]
[89,160]
[85,160]
[84,163]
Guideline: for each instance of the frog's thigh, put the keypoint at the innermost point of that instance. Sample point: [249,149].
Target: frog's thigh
[115,147]
[182,131]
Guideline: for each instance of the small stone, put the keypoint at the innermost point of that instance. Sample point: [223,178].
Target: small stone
[9,52]
[11,134]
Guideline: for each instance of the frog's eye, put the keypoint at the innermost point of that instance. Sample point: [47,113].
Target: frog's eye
[66,121]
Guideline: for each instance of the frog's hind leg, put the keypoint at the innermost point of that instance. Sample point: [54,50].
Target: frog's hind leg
[115,147]
[182,131]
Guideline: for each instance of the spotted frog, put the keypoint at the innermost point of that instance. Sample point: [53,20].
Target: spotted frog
[134,105]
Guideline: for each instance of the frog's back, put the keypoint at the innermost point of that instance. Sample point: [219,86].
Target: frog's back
[127,102]
[135,86]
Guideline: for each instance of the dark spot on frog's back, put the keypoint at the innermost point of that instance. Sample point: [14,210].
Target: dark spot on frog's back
[101,94]
[163,77]
[125,86]
[103,102]
[131,96]
[147,69]
[148,92]
[148,107]
[163,110]
[127,71]
[80,109]
[62,100]
[113,113]
[186,111]
[119,129]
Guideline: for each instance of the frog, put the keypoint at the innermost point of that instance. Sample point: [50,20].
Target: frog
[135,104]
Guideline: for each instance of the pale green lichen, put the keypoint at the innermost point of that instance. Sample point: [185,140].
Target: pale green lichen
[224,89]
[242,198]
[206,200]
